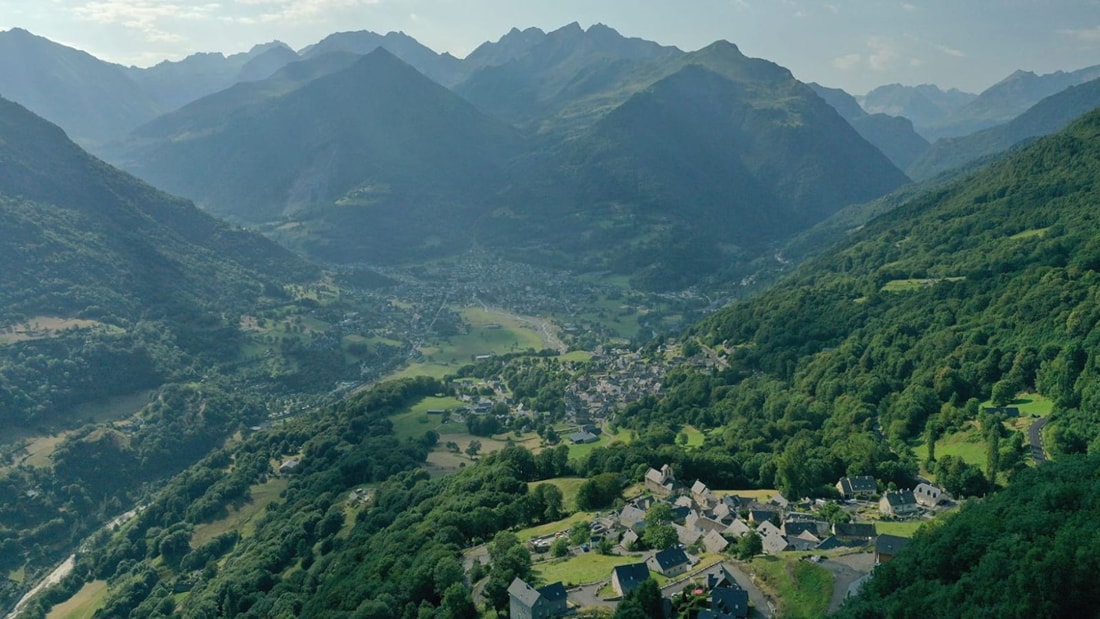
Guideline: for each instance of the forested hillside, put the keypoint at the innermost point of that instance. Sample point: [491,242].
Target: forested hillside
[982,289]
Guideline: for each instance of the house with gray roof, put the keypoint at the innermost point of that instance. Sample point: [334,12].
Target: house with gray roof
[902,503]
[527,602]
[726,603]
[858,485]
[669,562]
[626,578]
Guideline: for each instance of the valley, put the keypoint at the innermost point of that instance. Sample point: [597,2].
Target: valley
[578,322]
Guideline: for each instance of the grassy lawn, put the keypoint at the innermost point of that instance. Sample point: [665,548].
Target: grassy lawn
[240,519]
[568,487]
[83,604]
[803,588]
[576,355]
[434,402]
[1027,234]
[695,436]
[901,529]
[586,567]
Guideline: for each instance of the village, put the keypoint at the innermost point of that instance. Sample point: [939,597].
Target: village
[705,559]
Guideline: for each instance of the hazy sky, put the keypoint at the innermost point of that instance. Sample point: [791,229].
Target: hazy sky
[852,44]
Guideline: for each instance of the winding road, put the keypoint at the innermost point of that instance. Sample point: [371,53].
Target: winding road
[1035,437]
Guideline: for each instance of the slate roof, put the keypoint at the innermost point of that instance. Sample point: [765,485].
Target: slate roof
[729,603]
[553,592]
[631,575]
[670,558]
[714,542]
[890,544]
[900,499]
[862,530]
[858,484]
[523,592]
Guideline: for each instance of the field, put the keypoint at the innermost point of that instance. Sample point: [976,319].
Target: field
[584,568]
[580,451]
[803,588]
[83,604]
[568,487]
[1027,234]
[904,285]
[45,327]
[695,436]
[968,445]
[240,519]
[489,334]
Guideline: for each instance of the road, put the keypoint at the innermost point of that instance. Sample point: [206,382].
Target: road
[846,570]
[64,569]
[1035,437]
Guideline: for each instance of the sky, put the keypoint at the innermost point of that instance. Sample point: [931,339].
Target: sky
[851,44]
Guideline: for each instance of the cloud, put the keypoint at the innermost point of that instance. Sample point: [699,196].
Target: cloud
[303,10]
[1090,36]
[848,62]
[950,51]
[144,16]
[883,54]
[909,7]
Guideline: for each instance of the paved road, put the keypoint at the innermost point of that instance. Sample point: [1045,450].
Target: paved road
[1035,437]
[846,570]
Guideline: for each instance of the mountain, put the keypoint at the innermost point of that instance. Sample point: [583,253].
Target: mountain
[1007,99]
[926,104]
[893,135]
[174,84]
[567,76]
[1048,116]
[92,99]
[330,164]
[374,147]
[444,68]
[82,241]
[515,44]
[703,169]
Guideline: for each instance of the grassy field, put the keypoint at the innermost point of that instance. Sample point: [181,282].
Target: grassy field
[803,588]
[1027,234]
[551,528]
[968,445]
[695,436]
[83,604]
[240,519]
[577,356]
[489,333]
[901,529]
[568,487]
[584,568]
[45,327]
[580,451]
[905,285]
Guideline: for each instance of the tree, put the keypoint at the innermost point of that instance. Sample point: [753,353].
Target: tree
[580,532]
[549,497]
[560,547]
[473,448]
[660,536]
[457,603]
[748,546]
[834,513]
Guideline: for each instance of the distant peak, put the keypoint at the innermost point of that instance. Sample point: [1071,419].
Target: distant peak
[722,45]
[571,28]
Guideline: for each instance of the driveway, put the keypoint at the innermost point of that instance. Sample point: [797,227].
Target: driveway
[846,570]
[1035,437]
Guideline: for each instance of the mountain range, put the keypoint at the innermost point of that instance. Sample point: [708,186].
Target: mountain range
[373,161]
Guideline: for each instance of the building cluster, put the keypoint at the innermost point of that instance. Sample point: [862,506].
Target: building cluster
[615,378]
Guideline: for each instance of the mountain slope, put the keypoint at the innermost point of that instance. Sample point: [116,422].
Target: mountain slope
[82,240]
[926,105]
[695,174]
[1044,118]
[376,146]
[93,100]
[444,69]
[566,75]
[176,83]
[1007,99]
[893,135]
